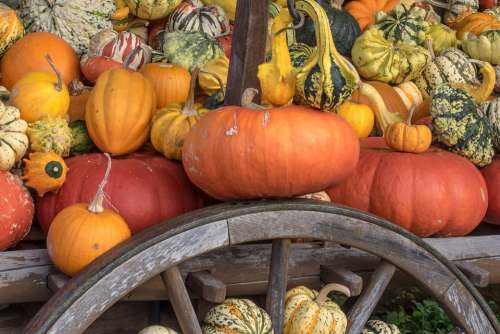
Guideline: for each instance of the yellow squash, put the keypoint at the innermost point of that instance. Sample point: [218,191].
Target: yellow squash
[277,80]
[481,92]
[442,37]
[359,116]
[214,74]
[485,47]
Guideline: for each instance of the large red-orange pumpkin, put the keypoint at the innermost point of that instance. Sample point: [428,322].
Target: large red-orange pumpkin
[242,153]
[29,55]
[144,189]
[16,210]
[492,177]
[436,192]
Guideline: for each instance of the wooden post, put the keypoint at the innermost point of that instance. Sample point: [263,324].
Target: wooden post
[276,291]
[248,49]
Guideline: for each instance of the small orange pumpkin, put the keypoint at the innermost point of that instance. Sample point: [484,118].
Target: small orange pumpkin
[82,232]
[405,137]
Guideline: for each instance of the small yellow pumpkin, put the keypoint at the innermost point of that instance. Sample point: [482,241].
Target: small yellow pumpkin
[405,137]
[41,94]
[11,28]
[44,172]
[82,232]
[214,74]
[172,123]
[307,311]
[359,116]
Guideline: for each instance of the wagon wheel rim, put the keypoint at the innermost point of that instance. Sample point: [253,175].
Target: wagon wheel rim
[226,225]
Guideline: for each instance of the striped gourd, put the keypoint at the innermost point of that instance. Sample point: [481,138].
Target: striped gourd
[240,316]
[403,24]
[152,9]
[191,15]
[122,45]
[491,110]
[11,28]
[380,327]
[451,66]
[455,8]
[75,21]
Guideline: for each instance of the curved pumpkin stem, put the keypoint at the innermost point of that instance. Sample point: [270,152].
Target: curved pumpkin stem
[189,109]
[59,84]
[323,294]
[247,99]
[96,205]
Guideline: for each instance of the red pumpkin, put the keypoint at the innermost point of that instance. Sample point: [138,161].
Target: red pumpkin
[16,210]
[485,4]
[144,189]
[92,67]
[436,192]
[492,176]
[240,153]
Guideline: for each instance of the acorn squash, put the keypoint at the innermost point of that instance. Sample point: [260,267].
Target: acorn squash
[458,125]
[484,47]
[403,24]
[326,79]
[377,58]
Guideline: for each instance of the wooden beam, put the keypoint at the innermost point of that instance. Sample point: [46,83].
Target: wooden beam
[248,49]
[477,275]
[56,281]
[207,287]
[342,276]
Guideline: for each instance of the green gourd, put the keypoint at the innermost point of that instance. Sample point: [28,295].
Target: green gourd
[403,24]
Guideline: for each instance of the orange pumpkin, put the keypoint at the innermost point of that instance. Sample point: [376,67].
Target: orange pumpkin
[171,82]
[79,94]
[474,23]
[82,232]
[119,111]
[29,55]
[244,152]
[364,11]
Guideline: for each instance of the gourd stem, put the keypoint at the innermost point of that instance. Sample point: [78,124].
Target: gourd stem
[59,84]
[219,80]
[189,109]
[96,205]
[323,294]
[410,115]
[293,11]
[439,4]
[247,99]
[428,43]
[294,26]
[76,87]
[131,56]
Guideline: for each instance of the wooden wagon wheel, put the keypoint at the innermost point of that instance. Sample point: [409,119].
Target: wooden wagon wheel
[160,249]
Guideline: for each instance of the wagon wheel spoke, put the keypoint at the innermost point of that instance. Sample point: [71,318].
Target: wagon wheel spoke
[276,291]
[181,303]
[368,300]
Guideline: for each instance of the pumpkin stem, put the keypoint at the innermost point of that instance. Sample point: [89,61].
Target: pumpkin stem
[131,56]
[428,43]
[323,294]
[295,26]
[96,205]
[247,99]
[219,80]
[189,109]
[59,84]
[76,87]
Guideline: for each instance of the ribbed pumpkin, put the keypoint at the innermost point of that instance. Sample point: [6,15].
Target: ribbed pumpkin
[152,9]
[11,28]
[475,23]
[240,316]
[148,178]
[492,177]
[364,11]
[436,192]
[269,139]
[82,232]
[307,311]
[377,58]
[191,15]
[13,138]
[29,55]
[41,94]
[44,172]
[170,82]
[118,121]
[405,137]
[16,206]
[403,24]
[343,25]
[457,124]
[326,79]
[171,124]
[484,47]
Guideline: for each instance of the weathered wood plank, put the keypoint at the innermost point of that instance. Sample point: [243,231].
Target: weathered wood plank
[12,260]
[248,49]
[477,275]
[56,281]
[278,275]
[366,303]
[206,286]
[179,298]
[342,276]
[463,248]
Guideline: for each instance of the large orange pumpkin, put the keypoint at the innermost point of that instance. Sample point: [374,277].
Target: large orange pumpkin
[492,176]
[436,192]
[119,111]
[364,11]
[29,55]
[239,152]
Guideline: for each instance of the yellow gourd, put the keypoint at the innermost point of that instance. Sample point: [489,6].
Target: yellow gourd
[41,94]
[482,92]
[44,172]
[359,116]
[213,74]
[277,80]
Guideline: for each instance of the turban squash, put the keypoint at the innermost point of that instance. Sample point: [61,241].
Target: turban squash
[432,193]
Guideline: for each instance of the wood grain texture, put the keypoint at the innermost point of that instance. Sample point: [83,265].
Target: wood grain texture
[181,303]
[368,300]
[207,287]
[248,48]
[342,276]
[477,275]
[278,280]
